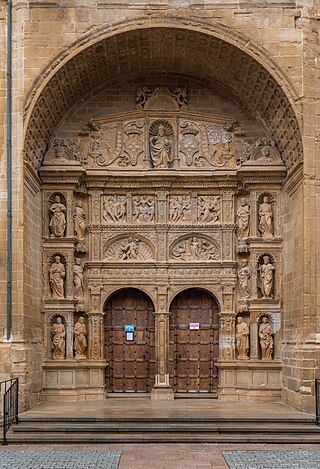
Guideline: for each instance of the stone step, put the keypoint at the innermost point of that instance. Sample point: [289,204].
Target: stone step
[164,437]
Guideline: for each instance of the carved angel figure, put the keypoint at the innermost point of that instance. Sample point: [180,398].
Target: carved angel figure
[266,219]
[266,339]
[243,219]
[58,220]
[58,340]
[56,275]
[160,149]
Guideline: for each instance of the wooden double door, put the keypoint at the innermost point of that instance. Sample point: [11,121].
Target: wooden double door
[194,342]
[131,362]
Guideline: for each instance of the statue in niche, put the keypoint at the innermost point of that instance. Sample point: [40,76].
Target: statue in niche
[160,147]
[115,209]
[266,271]
[56,275]
[243,219]
[242,338]
[58,334]
[79,217]
[266,339]
[58,220]
[208,209]
[143,209]
[78,280]
[244,276]
[266,219]
[180,209]
[80,339]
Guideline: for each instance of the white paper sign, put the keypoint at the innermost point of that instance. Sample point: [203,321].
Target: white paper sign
[194,326]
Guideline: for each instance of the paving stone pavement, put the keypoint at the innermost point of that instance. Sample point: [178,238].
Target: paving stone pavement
[272,459]
[59,459]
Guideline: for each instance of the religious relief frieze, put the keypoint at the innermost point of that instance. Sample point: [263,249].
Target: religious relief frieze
[180,209]
[131,248]
[114,208]
[209,208]
[143,210]
[193,249]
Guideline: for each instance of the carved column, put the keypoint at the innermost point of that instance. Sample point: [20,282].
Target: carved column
[227,336]
[162,206]
[254,338]
[95,336]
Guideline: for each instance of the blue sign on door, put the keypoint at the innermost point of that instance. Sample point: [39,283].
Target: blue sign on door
[129,328]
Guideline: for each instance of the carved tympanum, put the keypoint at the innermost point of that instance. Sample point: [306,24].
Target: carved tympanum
[242,339]
[262,152]
[62,152]
[266,339]
[128,249]
[194,249]
[58,334]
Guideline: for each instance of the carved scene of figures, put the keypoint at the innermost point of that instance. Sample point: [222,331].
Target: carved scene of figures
[115,209]
[57,274]
[209,209]
[266,339]
[143,209]
[194,249]
[242,339]
[58,222]
[266,274]
[180,209]
[58,335]
[128,249]
[80,339]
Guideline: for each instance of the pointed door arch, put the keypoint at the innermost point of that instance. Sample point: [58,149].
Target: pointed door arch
[131,366]
[194,352]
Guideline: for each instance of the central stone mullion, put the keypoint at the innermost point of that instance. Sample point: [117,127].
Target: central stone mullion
[162,389]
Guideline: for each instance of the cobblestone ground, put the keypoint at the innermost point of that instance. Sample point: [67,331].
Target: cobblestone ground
[273,459]
[170,456]
[59,459]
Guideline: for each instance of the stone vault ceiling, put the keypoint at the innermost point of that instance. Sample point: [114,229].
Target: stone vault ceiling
[161,51]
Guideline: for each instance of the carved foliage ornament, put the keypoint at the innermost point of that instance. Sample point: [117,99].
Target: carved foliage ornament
[162,99]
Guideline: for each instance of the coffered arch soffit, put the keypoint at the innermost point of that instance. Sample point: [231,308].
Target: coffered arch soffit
[172,46]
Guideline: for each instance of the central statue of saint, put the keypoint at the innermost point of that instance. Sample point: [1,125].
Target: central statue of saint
[160,149]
